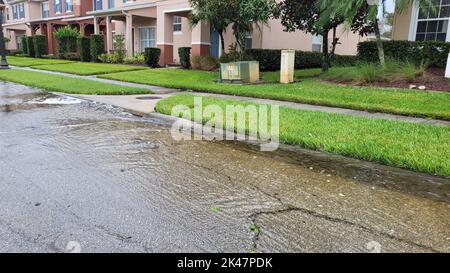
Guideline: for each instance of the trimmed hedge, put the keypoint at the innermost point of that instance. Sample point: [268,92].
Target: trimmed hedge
[24,45]
[434,53]
[185,57]
[40,45]
[152,55]
[30,46]
[84,48]
[97,46]
[270,59]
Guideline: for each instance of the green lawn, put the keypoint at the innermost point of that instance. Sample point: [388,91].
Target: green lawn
[418,147]
[26,61]
[66,84]
[84,68]
[310,90]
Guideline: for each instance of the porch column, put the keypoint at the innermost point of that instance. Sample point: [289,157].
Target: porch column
[109,38]
[201,40]
[164,37]
[50,40]
[96,26]
[129,34]
[82,29]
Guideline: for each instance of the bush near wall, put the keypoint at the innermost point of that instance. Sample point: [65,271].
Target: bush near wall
[84,48]
[152,55]
[433,53]
[185,57]
[25,45]
[66,40]
[97,46]
[207,63]
[40,45]
[30,46]
[270,59]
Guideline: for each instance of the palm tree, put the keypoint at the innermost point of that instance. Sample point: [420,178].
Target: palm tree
[350,9]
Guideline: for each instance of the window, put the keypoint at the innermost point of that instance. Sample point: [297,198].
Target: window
[18,11]
[57,7]
[7,14]
[177,24]
[148,37]
[110,4]
[432,24]
[68,5]
[248,42]
[45,10]
[317,42]
[98,4]
[19,42]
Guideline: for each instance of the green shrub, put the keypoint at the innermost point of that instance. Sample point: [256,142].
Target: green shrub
[111,58]
[139,58]
[207,63]
[152,55]
[97,47]
[270,59]
[49,56]
[185,57]
[30,46]
[434,53]
[344,60]
[84,48]
[66,39]
[40,45]
[24,45]
[119,48]
[72,56]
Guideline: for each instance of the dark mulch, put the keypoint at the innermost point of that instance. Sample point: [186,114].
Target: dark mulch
[433,80]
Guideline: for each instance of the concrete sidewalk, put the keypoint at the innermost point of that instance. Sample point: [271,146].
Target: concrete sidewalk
[135,103]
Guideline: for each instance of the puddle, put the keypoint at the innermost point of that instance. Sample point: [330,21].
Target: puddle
[58,100]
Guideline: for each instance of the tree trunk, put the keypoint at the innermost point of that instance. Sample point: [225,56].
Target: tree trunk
[325,55]
[222,41]
[333,46]
[379,44]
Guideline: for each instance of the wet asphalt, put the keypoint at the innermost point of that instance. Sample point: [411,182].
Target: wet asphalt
[83,176]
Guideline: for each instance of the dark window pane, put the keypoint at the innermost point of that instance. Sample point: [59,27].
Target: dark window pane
[423,13]
[434,12]
[420,37]
[445,2]
[442,27]
[422,26]
[430,37]
[432,26]
[441,36]
[445,12]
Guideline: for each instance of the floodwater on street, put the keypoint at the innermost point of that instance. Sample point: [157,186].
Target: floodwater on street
[84,174]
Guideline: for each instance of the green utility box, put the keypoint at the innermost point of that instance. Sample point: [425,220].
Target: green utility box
[246,72]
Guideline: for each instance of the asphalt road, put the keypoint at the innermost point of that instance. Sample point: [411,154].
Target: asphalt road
[80,176]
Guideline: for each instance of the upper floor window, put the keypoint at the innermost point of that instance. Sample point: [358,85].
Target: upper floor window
[18,11]
[98,4]
[57,7]
[433,23]
[7,14]
[177,24]
[110,4]
[68,5]
[317,42]
[45,10]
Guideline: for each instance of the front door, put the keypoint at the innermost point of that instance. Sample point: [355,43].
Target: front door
[215,44]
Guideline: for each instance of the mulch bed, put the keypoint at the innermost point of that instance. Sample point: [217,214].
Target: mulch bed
[433,80]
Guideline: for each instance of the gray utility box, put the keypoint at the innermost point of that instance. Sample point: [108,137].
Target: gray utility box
[247,72]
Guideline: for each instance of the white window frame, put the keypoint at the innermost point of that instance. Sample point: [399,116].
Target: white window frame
[46,3]
[415,21]
[317,40]
[71,5]
[177,24]
[142,49]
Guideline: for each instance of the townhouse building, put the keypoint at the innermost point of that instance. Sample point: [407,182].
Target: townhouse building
[150,23]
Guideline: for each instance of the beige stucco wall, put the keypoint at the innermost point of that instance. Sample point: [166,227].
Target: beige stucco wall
[402,22]
[181,39]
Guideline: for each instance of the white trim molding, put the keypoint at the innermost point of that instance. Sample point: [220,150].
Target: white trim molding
[200,43]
